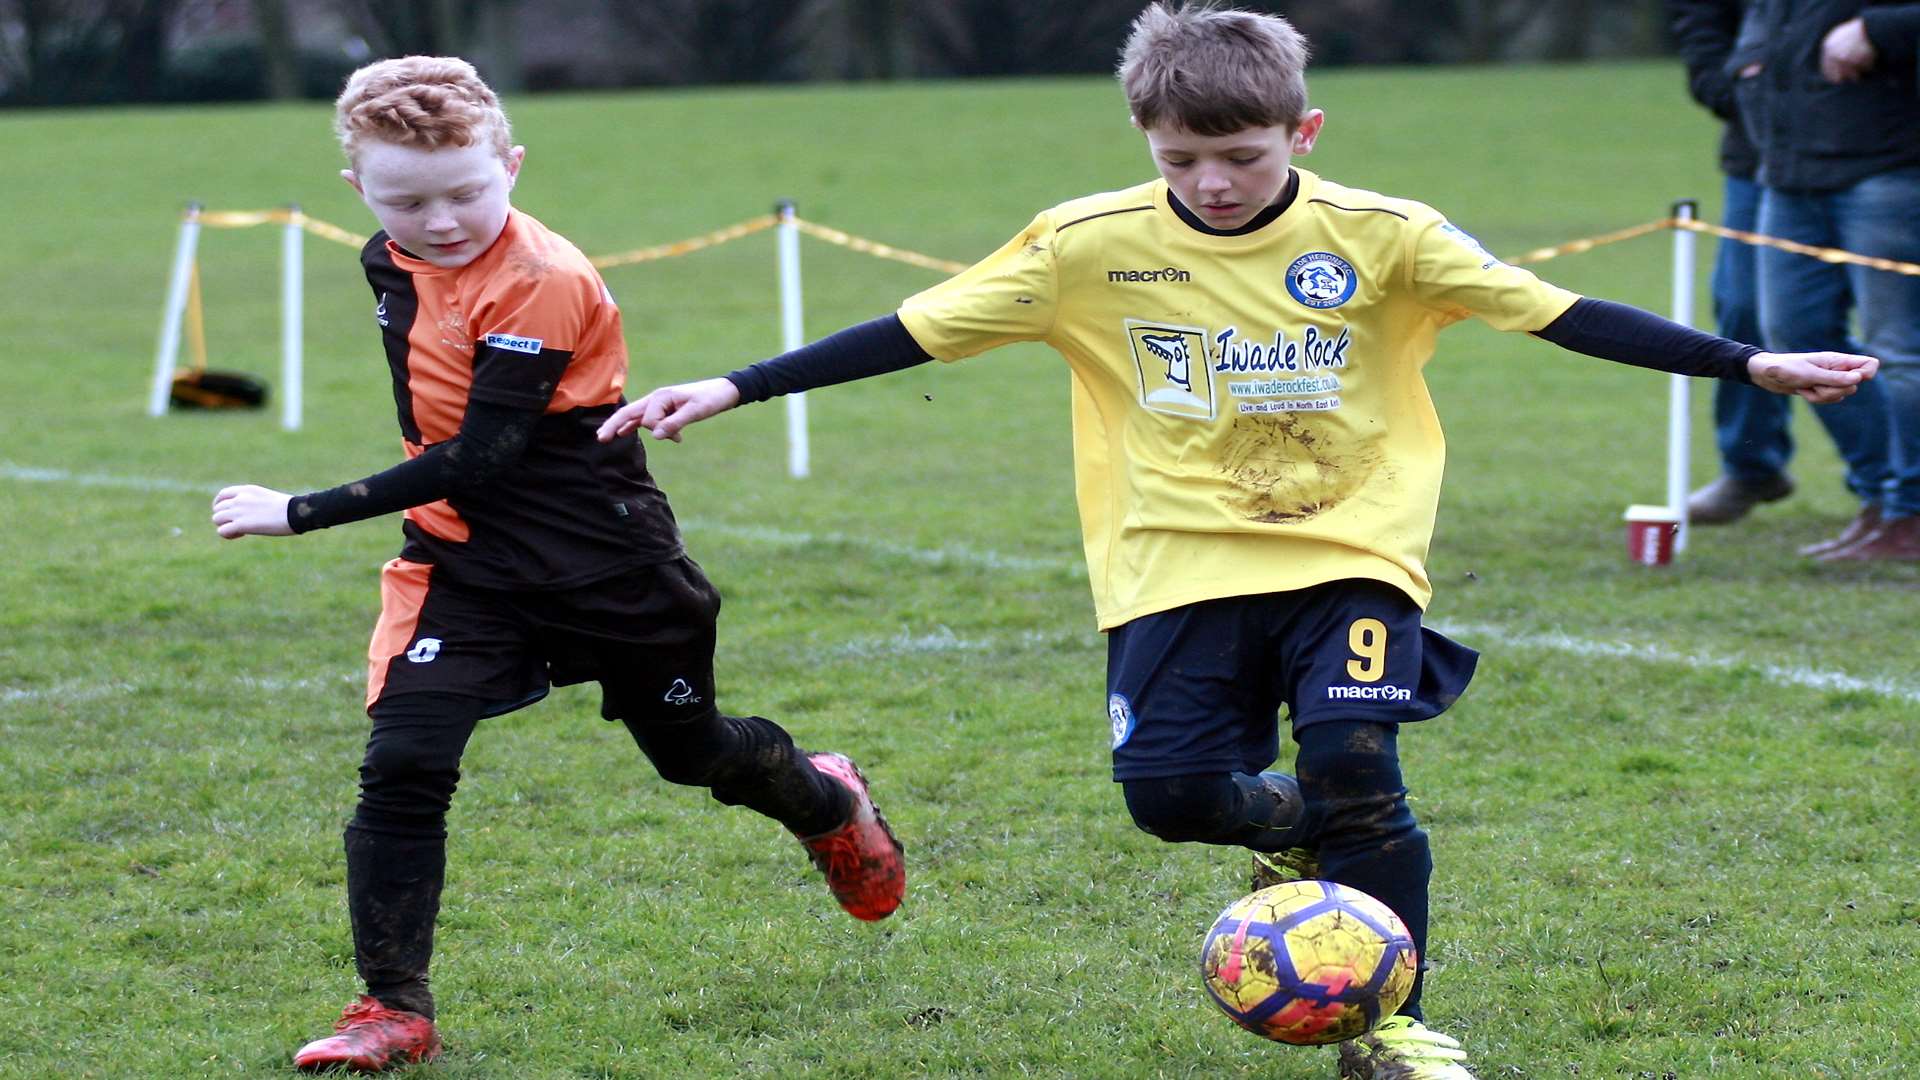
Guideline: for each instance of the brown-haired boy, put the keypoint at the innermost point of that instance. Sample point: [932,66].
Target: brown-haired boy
[1257,458]
[534,554]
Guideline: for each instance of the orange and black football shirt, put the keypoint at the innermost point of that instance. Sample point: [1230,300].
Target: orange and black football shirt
[527,325]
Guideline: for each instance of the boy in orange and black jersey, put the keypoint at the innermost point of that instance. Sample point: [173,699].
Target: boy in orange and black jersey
[535,554]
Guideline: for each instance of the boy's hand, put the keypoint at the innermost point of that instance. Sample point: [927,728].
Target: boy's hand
[666,410]
[250,510]
[1821,377]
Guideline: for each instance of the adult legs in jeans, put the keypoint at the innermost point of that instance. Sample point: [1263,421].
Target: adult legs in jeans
[1881,216]
[1804,306]
[1750,424]
[1752,427]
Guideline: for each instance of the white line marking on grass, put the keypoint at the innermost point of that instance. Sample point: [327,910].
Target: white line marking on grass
[955,554]
[991,560]
[944,640]
[1807,678]
[74,691]
[10,471]
[66,691]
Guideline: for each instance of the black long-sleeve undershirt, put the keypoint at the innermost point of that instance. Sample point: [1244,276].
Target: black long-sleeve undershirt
[492,438]
[1599,328]
[1628,335]
[874,347]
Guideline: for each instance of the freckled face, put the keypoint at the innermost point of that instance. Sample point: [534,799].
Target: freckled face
[1229,179]
[445,206]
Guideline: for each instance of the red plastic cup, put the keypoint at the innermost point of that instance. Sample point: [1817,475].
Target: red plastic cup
[1650,534]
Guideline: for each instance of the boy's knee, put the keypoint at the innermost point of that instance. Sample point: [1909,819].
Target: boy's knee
[403,774]
[1184,809]
[714,751]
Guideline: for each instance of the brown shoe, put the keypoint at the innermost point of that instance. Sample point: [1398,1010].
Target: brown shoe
[1727,500]
[1895,540]
[1863,523]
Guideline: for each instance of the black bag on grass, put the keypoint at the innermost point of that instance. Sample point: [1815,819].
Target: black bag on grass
[204,389]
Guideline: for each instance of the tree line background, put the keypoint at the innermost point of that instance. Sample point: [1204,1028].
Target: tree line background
[63,52]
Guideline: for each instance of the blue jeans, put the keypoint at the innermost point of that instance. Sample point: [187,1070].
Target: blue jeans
[1804,304]
[1751,426]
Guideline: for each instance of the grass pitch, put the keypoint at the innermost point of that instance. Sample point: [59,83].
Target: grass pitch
[1674,819]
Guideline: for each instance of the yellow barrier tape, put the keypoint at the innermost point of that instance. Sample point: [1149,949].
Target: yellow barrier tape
[1575,247]
[196,320]
[684,247]
[883,251]
[327,231]
[1824,254]
[246,219]
[241,219]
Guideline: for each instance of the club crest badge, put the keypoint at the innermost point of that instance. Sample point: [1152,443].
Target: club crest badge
[1120,715]
[1321,280]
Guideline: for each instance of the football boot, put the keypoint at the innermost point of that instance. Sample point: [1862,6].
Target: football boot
[1279,867]
[370,1037]
[861,859]
[1403,1048]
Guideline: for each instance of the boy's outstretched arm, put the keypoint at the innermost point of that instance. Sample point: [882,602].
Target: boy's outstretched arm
[871,348]
[1629,335]
[492,437]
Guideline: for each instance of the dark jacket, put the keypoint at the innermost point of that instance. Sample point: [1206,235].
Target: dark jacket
[1813,135]
[1704,31]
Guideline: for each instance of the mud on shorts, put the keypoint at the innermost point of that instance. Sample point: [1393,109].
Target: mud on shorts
[646,635]
[1198,689]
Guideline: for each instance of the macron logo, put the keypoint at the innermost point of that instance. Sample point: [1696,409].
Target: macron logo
[1369,693]
[1171,273]
[513,344]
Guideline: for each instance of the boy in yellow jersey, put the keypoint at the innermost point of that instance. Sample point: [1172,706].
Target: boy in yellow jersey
[1257,459]
[534,553]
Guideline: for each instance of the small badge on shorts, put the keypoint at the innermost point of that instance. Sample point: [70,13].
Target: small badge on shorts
[424,650]
[680,694]
[1120,712]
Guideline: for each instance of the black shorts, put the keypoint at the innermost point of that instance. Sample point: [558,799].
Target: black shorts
[645,635]
[1198,689]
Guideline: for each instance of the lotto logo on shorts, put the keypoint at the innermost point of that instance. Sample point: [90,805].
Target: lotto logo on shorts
[424,650]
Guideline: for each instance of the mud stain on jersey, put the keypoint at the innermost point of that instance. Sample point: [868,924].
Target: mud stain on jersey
[1282,471]
[530,265]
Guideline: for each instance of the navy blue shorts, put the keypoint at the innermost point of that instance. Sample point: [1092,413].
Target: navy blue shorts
[1198,689]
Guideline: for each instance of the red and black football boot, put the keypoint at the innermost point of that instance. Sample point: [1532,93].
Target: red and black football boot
[370,1037]
[861,859]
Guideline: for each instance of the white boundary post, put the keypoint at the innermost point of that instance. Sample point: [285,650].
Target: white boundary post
[1679,392]
[292,287]
[792,335]
[167,355]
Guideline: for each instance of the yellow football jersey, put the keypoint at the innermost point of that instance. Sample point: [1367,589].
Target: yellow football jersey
[1249,413]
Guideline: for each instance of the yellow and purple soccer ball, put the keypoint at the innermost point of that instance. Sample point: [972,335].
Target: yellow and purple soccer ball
[1308,962]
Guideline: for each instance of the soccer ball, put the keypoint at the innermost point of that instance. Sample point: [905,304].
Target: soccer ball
[1308,962]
